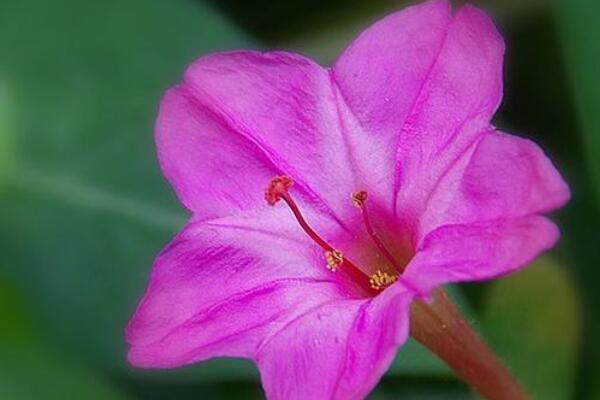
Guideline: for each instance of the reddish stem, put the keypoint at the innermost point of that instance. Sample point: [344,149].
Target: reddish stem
[441,328]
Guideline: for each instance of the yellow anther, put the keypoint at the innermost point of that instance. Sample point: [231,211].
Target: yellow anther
[380,280]
[334,259]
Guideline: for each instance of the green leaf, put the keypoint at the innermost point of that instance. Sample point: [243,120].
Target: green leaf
[15,328]
[533,320]
[415,360]
[580,31]
[84,208]
[6,131]
[28,371]
[36,375]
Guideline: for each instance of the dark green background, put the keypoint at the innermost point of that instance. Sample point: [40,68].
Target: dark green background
[84,209]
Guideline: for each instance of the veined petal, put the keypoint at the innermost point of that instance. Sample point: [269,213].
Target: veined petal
[503,177]
[458,99]
[479,251]
[378,80]
[283,106]
[222,286]
[509,177]
[425,85]
[382,72]
[338,350]
[214,171]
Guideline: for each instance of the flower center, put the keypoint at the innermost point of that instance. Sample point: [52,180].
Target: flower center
[278,189]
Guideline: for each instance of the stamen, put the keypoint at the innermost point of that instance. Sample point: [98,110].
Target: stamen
[380,280]
[334,259]
[360,200]
[278,190]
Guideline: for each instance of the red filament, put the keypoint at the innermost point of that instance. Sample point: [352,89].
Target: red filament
[360,199]
[278,189]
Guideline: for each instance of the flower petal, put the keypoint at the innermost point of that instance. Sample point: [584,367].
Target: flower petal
[504,177]
[214,171]
[382,72]
[435,81]
[222,286]
[378,80]
[338,350]
[462,92]
[281,105]
[479,251]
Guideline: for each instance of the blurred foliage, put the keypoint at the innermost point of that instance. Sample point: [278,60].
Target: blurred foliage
[6,129]
[534,316]
[84,209]
[86,202]
[580,36]
[578,21]
[28,371]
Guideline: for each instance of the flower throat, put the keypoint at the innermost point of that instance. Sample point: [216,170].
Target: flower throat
[278,189]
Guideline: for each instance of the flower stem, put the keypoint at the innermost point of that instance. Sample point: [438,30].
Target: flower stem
[441,328]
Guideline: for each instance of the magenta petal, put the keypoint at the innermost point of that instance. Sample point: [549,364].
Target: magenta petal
[479,251]
[379,78]
[338,350]
[222,286]
[425,84]
[508,177]
[457,100]
[283,106]
[382,72]
[502,176]
[202,157]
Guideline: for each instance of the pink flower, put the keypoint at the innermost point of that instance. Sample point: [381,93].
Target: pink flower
[319,298]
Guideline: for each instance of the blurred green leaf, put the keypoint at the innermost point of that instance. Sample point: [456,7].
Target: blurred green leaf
[423,390]
[27,371]
[35,375]
[15,329]
[580,33]
[415,360]
[6,131]
[533,319]
[85,209]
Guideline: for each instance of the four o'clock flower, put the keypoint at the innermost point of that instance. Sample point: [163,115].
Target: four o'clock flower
[326,200]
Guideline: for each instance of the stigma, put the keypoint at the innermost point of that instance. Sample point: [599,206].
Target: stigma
[279,189]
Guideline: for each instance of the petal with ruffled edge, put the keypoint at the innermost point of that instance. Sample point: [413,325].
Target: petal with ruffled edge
[283,106]
[462,93]
[266,297]
[338,350]
[378,80]
[478,251]
[426,84]
[201,155]
[382,71]
[222,285]
[508,177]
[482,220]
